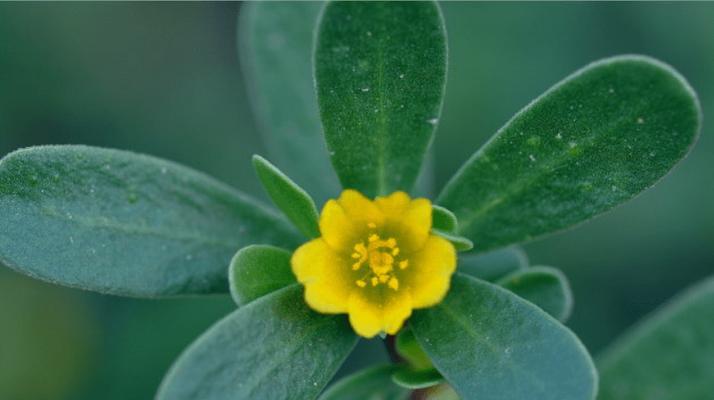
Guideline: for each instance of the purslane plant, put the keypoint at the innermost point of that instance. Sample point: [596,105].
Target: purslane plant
[478,325]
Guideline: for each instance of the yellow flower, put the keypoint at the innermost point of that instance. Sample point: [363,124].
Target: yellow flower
[376,261]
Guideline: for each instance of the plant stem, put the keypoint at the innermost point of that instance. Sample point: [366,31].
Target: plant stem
[419,394]
[390,343]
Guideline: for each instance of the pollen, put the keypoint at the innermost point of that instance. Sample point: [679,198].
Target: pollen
[380,255]
[394,283]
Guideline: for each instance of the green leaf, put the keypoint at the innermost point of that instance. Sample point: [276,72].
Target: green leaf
[488,343]
[294,202]
[424,185]
[593,141]
[495,264]
[443,219]
[409,349]
[273,348]
[380,70]
[123,223]
[258,270]
[444,224]
[460,243]
[276,47]
[373,383]
[668,355]
[417,378]
[545,287]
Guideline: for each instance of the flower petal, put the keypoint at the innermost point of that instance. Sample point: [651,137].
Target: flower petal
[393,205]
[369,315]
[416,221]
[325,275]
[431,270]
[408,219]
[336,228]
[359,208]
[344,222]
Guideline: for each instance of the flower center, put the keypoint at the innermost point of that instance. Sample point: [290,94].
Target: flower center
[382,256]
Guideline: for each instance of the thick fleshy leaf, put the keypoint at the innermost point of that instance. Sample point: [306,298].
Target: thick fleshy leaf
[424,185]
[273,348]
[380,70]
[593,141]
[488,343]
[410,350]
[373,383]
[443,219]
[258,270]
[669,355]
[460,243]
[418,371]
[290,198]
[122,223]
[445,225]
[545,287]
[495,264]
[417,378]
[276,47]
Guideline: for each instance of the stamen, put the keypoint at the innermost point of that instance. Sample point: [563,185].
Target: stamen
[371,225]
[379,255]
[394,283]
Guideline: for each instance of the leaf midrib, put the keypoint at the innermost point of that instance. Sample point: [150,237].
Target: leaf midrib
[299,343]
[515,368]
[127,229]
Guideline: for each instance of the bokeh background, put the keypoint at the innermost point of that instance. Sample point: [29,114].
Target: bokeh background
[165,79]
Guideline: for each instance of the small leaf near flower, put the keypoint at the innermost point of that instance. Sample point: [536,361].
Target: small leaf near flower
[376,261]
[443,219]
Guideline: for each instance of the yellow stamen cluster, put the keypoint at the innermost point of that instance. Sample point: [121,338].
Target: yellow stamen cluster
[380,255]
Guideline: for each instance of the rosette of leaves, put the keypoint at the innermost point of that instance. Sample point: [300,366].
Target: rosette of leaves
[126,224]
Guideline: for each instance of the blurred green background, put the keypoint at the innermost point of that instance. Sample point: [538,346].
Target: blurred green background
[165,79]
